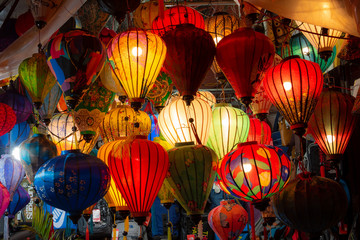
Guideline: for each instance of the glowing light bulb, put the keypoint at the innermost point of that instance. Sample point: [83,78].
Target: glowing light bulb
[330,138]
[287,86]
[247,167]
[16,153]
[306,50]
[136,51]
[217,39]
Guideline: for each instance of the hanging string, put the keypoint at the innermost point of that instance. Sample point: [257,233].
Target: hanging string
[252,222]
[193,128]
[170,225]
[265,232]
[114,228]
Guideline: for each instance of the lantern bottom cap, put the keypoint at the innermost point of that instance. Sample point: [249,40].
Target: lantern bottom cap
[246,100]
[181,144]
[261,204]
[195,218]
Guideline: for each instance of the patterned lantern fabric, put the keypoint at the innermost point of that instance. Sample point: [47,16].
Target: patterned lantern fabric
[20,199]
[259,131]
[109,80]
[228,220]
[175,16]
[19,103]
[161,91]
[254,172]
[48,107]
[145,14]
[207,97]
[4,199]
[7,119]
[16,136]
[165,195]
[261,103]
[11,173]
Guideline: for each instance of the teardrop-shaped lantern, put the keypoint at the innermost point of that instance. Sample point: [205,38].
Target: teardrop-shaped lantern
[136,57]
[190,53]
[165,196]
[48,107]
[261,104]
[259,131]
[243,56]
[109,80]
[145,14]
[11,173]
[7,119]
[15,137]
[207,97]
[161,91]
[20,199]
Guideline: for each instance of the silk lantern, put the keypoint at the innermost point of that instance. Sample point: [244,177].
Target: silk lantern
[72,182]
[259,131]
[161,91]
[20,199]
[106,35]
[332,123]
[145,14]
[15,137]
[61,106]
[175,16]
[165,196]
[19,103]
[109,80]
[294,87]
[136,57]
[261,104]
[11,173]
[4,199]
[118,8]
[243,56]
[229,126]
[189,56]
[7,118]
[48,107]
[207,97]
[138,167]
[179,122]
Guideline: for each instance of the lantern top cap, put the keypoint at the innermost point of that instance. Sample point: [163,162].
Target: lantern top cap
[70,151]
[220,13]
[225,202]
[181,144]
[290,57]
[140,137]
[247,143]
[38,135]
[223,105]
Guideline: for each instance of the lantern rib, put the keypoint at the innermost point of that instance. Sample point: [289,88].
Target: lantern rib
[146,203]
[232,176]
[257,174]
[340,143]
[271,175]
[182,183]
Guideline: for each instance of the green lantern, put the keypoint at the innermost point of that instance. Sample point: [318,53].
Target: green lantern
[191,175]
[299,45]
[229,126]
[161,91]
[36,77]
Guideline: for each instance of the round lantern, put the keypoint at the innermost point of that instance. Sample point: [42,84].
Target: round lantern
[11,173]
[72,182]
[136,57]
[332,123]
[191,175]
[20,199]
[259,131]
[255,172]
[190,53]
[179,122]
[261,104]
[138,167]
[207,97]
[229,126]
[228,220]
[311,204]
[109,80]
[4,199]
[294,87]
[122,122]
[175,16]
[145,14]
[161,91]
[19,103]
[34,152]
[7,119]
[243,61]
[48,107]
[36,77]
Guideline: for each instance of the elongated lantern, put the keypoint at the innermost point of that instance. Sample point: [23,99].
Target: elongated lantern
[259,131]
[11,173]
[20,199]
[48,107]
[261,103]
[145,14]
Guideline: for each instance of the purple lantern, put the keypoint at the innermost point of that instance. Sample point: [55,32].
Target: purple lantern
[19,103]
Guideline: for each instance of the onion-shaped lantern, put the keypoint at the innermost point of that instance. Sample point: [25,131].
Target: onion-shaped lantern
[19,103]
[122,122]
[7,119]
[207,97]
[15,137]
[161,91]
[259,131]
[229,127]
[109,80]
[332,123]
[11,173]
[138,167]
[106,35]
[136,57]
[20,199]
[261,104]
[175,16]
[243,61]
[181,123]
[118,8]
[165,196]
[294,87]
[255,172]
[190,53]
[24,22]
[48,107]
[145,14]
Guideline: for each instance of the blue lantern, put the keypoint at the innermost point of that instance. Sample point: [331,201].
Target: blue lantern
[20,199]
[17,135]
[48,107]
[11,173]
[72,182]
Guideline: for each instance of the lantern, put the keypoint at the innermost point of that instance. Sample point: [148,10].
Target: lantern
[259,131]
[4,199]
[179,122]
[7,119]
[109,79]
[161,140]
[322,203]
[190,53]
[11,173]
[118,8]
[122,122]
[75,58]
[20,199]
[207,97]
[42,11]
[72,182]
[24,22]
[243,61]
[191,176]
[138,167]
[15,137]
[19,103]
[229,126]
[324,39]
[261,104]
[332,123]
[255,172]
[161,91]
[34,152]
[106,35]
[136,57]
[175,16]
[145,14]
[61,106]
[228,220]
[294,87]
[36,77]
[165,196]
[48,107]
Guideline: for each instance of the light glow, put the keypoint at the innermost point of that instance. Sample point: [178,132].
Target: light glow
[217,39]
[247,167]
[306,51]
[136,51]
[16,153]
[330,138]
[287,86]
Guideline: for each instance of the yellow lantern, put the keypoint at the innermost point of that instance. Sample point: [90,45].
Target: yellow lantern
[108,79]
[207,97]
[166,197]
[122,122]
[136,57]
[145,14]
[181,123]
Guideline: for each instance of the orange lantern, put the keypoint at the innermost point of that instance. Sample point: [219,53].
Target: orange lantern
[261,103]
[259,131]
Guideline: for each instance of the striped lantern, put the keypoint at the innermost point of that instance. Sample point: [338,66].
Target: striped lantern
[259,131]
[7,119]
[207,97]
[261,104]
[48,107]
[145,14]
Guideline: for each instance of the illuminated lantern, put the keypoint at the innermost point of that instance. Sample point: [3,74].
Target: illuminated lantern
[181,123]
[75,58]
[106,35]
[189,56]
[136,57]
[161,140]
[124,121]
[243,61]
[11,173]
[324,39]
[4,199]
[191,176]
[161,91]
[48,107]
[229,126]
[207,97]
[15,137]
[294,87]
[259,131]
[228,220]
[332,123]
[219,26]
[7,119]
[138,168]
[20,199]
[255,172]
[261,104]
[61,106]
[109,79]
[36,77]
[42,11]
[175,16]
[311,204]
[19,103]
[145,14]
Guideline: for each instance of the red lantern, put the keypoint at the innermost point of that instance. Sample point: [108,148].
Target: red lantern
[190,53]
[106,35]
[175,16]
[7,118]
[24,22]
[138,168]
[243,56]
[259,131]
[294,87]
[332,123]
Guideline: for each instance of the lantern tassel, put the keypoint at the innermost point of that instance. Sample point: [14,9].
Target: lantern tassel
[161,9]
[87,234]
[200,230]
[91,227]
[322,163]
[6,227]
[252,222]
[169,234]
[126,227]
